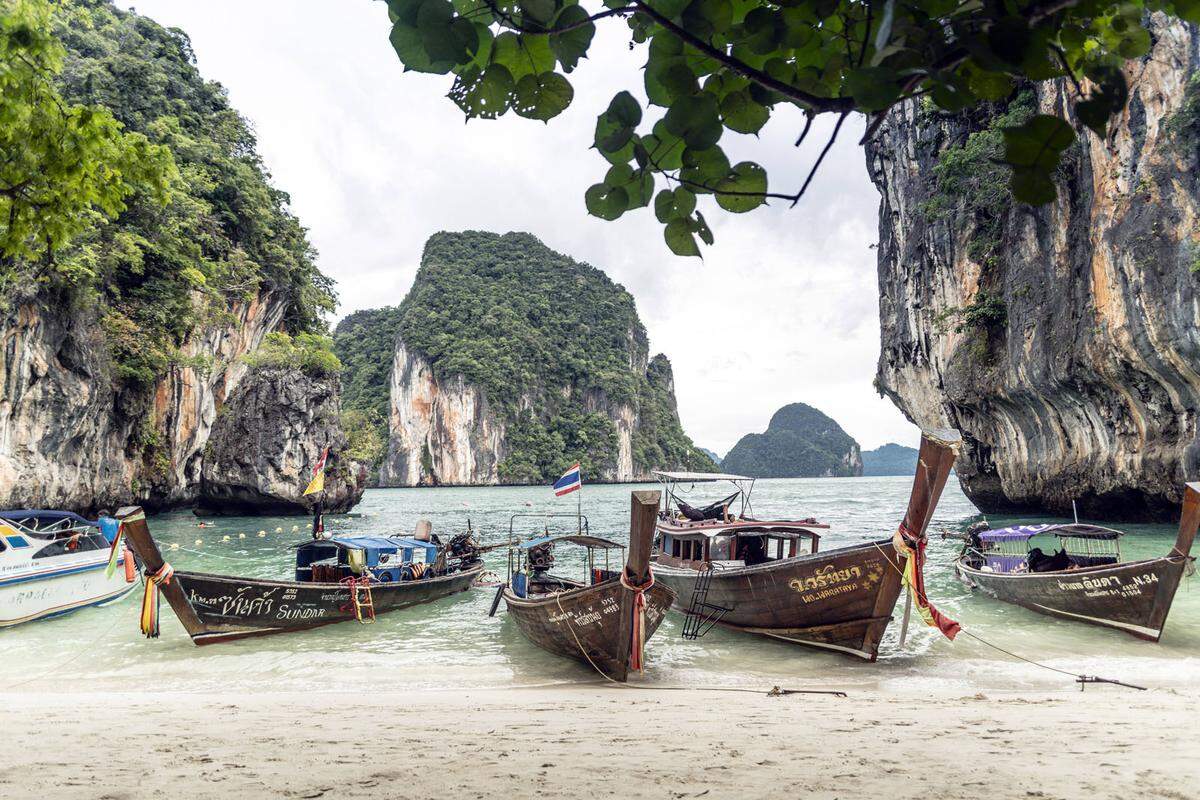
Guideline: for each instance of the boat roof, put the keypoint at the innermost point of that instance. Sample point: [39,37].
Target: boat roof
[369,542]
[780,530]
[1070,530]
[699,476]
[40,514]
[584,541]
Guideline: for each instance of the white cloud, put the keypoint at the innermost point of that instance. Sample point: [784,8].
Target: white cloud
[783,308]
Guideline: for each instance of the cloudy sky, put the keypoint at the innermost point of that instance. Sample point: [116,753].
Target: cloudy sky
[783,308]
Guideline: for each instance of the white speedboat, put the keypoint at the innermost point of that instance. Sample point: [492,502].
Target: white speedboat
[53,562]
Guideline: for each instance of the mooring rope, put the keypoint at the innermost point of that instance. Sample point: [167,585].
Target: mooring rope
[1079,678]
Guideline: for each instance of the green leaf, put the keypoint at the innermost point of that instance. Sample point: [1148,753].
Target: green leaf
[663,149]
[542,96]
[748,182]
[873,88]
[704,168]
[573,45]
[606,202]
[703,18]
[485,94]
[677,204]
[1038,143]
[679,238]
[1033,187]
[541,11]
[740,113]
[700,226]
[523,54]
[624,109]
[696,120]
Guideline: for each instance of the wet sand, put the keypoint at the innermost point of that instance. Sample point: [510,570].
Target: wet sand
[598,741]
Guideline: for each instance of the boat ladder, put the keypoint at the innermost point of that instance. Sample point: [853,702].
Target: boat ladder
[360,598]
[702,615]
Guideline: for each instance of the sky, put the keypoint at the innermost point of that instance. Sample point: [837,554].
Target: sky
[783,308]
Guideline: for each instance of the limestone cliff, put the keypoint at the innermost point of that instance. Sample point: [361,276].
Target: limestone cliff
[513,361]
[265,441]
[1062,341]
[69,438]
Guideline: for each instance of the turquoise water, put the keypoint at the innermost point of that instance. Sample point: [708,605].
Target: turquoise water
[454,643]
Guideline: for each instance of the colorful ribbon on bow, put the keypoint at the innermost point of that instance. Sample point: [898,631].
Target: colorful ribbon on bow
[912,547]
[637,643]
[150,600]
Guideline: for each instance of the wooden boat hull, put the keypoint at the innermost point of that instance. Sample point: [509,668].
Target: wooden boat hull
[838,600]
[225,607]
[591,624]
[1133,597]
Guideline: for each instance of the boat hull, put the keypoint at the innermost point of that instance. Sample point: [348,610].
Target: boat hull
[591,624]
[36,594]
[1133,597]
[839,600]
[226,608]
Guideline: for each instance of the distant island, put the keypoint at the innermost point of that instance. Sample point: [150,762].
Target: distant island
[716,459]
[890,459]
[800,442]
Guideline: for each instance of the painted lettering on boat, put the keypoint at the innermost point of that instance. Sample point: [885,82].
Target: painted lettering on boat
[237,605]
[1108,585]
[302,612]
[829,581]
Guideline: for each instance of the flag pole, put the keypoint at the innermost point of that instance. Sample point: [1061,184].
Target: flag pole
[579,506]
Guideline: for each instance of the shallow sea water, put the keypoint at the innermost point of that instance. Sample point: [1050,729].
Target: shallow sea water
[453,643]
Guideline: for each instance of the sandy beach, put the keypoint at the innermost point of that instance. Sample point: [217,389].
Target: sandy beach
[599,741]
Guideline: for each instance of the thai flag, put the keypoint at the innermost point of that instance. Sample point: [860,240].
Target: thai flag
[570,481]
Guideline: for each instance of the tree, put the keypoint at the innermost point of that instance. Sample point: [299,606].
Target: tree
[727,65]
[59,162]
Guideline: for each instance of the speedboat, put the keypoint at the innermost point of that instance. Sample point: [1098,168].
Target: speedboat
[54,562]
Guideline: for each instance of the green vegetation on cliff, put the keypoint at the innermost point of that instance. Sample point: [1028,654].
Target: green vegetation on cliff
[181,247]
[556,346]
[365,343]
[800,442]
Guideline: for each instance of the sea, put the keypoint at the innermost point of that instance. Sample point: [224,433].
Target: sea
[453,644]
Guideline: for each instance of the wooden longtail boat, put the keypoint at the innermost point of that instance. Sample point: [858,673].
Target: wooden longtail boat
[606,619]
[1085,580]
[336,580]
[769,577]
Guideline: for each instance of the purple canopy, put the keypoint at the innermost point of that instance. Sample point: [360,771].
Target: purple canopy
[1017,533]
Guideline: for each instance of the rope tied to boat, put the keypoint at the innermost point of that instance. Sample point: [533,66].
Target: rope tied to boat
[151,599]
[912,547]
[637,643]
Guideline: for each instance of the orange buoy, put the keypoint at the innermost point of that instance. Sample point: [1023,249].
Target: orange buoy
[130,569]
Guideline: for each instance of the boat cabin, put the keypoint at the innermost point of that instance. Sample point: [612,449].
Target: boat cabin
[1020,548]
[45,534]
[735,547]
[385,559]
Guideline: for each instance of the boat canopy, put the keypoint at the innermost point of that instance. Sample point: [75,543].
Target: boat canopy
[1017,533]
[591,542]
[697,477]
[373,546]
[790,531]
[40,517]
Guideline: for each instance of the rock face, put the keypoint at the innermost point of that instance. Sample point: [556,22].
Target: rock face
[1063,341]
[68,439]
[800,442]
[512,362]
[264,444]
[890,459]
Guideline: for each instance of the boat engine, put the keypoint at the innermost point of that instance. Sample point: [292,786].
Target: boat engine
[541,557]
[463,546]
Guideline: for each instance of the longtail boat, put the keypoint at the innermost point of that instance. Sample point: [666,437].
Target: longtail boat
[337,579]
[604,620]
[55,562]
[1085,579]
[770,577]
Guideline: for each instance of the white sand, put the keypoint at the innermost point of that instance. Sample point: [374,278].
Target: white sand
[597,741]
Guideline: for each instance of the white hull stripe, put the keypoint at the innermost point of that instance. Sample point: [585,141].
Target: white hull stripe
[1128,626]
[50,612]
[838,647]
